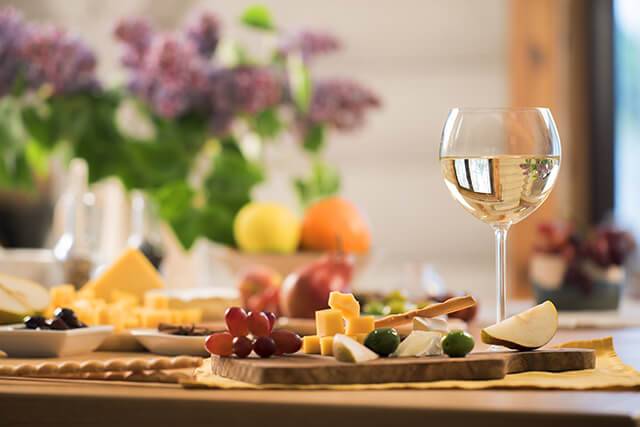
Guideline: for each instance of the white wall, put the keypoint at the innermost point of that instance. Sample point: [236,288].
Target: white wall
[422,57]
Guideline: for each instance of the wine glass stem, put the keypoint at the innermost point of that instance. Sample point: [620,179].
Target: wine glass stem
[501,270]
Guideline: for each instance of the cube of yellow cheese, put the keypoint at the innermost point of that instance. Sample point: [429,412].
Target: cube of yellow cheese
[329,322]
[157,301]
[360,325]
[326,346]
[359,337]
[62,296]
[131,273]
[311,344]
[151,318]
[345,304]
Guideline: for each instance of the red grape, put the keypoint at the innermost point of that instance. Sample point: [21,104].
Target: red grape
[272,319]
[242,346]
[220,343]
[264,346]
[236,320]
[286,341]
[258,323]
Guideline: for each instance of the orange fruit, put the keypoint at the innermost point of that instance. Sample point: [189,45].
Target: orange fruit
[334,222]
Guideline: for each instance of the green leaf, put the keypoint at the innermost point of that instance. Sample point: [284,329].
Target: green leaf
[300,83]
[266,123]
[37,158]
[258,17]
[314,138]
[323,181]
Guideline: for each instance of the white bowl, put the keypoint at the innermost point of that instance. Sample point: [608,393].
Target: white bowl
[170,345]
[237,261]
[18,341]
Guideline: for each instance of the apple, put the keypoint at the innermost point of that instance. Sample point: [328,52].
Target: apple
[525,331]
[259,288]
[20,298]
[307,289]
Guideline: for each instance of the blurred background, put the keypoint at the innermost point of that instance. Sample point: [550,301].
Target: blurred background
[420,58]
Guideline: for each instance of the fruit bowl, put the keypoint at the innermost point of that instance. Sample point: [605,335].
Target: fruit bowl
[237,261]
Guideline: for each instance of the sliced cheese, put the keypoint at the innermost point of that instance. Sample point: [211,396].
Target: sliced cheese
[345,304]
[360,325]
[420,343]
[430,324]
[131,273]
[329,322]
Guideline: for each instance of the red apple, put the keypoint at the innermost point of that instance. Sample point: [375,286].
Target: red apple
[259,287]
[307,289]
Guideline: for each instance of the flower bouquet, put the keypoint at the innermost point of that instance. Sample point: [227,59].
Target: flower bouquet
[580,269]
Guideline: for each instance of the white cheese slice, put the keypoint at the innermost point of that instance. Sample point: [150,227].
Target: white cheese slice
[420,343]
[430,324]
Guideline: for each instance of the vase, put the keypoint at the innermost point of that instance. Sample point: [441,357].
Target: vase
[547,275]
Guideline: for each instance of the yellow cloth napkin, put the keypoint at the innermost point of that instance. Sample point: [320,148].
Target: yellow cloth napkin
[610,373]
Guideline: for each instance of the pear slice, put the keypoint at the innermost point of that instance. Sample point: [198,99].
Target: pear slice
[20,298]
[525,331]
[420,343]
[347,349]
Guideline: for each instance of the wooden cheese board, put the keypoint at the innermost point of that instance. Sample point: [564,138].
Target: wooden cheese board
[314,369]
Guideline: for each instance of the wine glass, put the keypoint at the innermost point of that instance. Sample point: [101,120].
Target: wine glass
[500,164]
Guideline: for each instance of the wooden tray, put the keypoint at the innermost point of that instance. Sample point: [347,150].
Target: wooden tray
[313,369]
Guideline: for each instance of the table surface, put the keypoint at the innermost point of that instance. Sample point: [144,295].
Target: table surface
[38,402]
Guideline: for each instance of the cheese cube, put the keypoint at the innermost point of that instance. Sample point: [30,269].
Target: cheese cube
[157,301]
[311,344]
[430,325]
[359,337]
[191,315]
[62,296]
[326,346]
[329,322]
[345,303]
[131,273]
[360,325]
[152,318]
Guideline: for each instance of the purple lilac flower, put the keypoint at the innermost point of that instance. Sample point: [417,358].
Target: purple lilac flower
[11,33]
[308,43]
[52,57]
[137,35]
[204,32]
[172,77]
[340,103]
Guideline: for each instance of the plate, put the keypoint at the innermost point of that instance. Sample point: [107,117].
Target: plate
[170,345]
[18,341]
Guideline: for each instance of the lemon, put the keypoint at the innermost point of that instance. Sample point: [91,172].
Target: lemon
[266,227]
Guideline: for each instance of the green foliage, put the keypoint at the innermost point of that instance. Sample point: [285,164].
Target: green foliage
[266,123]
[258,17]
[300,82]
[314,138]
[323,181]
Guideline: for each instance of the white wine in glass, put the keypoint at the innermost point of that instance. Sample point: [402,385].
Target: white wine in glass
[500,165]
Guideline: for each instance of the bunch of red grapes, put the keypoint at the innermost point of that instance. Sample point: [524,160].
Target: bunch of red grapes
[249,332]
[605,246]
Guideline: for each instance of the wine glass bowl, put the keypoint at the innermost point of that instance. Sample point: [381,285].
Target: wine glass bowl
[500,164]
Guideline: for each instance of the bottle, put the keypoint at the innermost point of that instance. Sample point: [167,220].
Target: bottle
[75,248]
[145,234]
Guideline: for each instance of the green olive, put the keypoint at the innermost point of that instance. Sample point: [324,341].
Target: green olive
[383,341]
[457,344]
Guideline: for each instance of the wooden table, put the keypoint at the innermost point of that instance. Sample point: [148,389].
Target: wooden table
[39,402]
